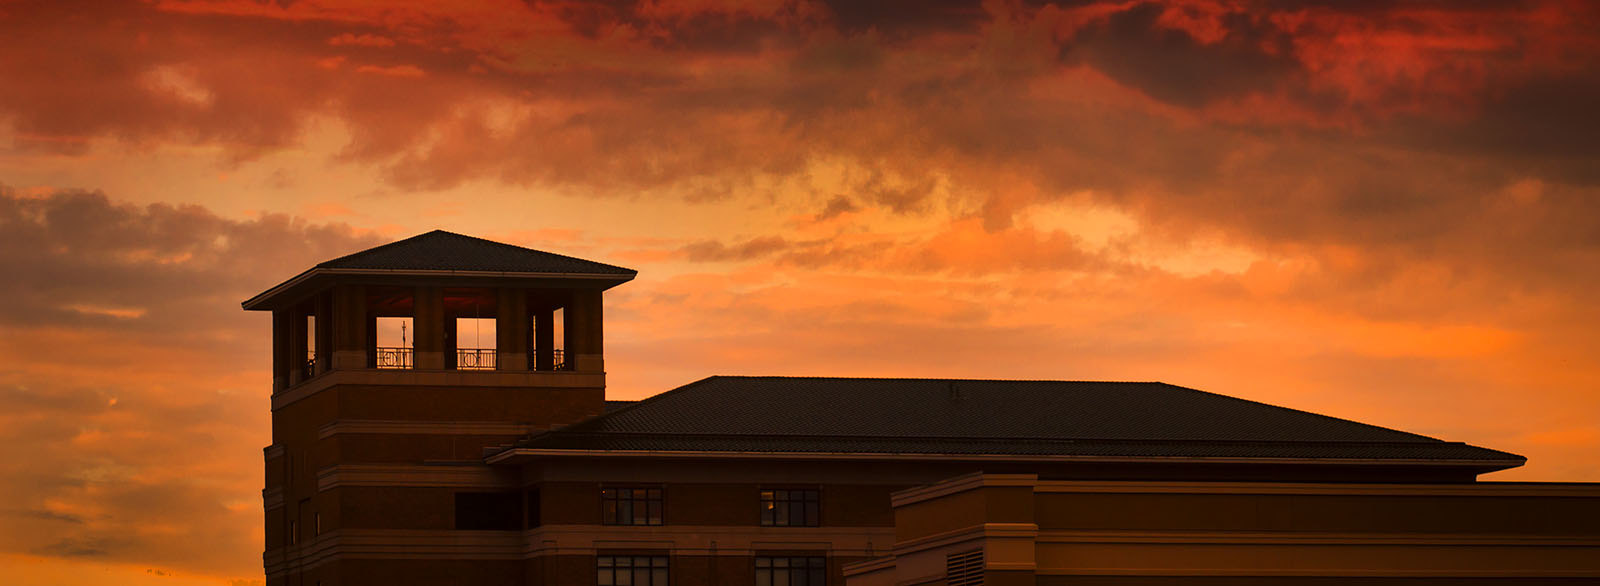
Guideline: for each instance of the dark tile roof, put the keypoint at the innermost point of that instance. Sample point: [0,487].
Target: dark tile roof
[447,251]
[939,416]
[615,405]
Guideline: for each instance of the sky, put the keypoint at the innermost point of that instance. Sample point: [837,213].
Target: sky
[1379,210]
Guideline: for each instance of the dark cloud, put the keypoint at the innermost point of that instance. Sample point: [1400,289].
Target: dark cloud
[901,19]
[711,250]
[75,258]
[1171,65]
[840,204]
[118,316]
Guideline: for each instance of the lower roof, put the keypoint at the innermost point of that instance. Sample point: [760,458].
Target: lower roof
[1137,420]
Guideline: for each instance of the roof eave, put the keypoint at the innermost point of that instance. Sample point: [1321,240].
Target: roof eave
[265,300]
[517,455]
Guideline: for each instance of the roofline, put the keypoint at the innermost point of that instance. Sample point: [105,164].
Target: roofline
[504,455]
[255,303]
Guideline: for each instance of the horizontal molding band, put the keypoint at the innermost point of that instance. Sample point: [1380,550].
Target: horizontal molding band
[375,426]
[272,498]
[453,476]
[1306,538]
[509,380]
[556,540]
[960,484]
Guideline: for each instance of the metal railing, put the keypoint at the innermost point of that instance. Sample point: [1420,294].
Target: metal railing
[558,360]
[475,358]
[393,357]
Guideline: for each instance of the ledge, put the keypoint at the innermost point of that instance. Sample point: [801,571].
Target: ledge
[440,378]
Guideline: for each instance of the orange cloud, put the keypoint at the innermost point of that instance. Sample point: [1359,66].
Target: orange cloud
[1363,209]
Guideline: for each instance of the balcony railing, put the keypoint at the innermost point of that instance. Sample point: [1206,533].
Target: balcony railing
[393,357]
[557,360]
[475,358]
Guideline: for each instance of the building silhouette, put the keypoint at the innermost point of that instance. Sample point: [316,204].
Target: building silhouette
[409,447]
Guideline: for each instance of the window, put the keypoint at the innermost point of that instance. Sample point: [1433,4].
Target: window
[632,570]
[394,338]
[496,511]
[964,569]
[630,506]
[294,533]
[475,343]
[789,508]
[316,523]
[791,571]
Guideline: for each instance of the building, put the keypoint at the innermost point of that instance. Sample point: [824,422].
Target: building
[410,448]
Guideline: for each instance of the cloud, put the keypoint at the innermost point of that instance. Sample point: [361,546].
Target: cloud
[123,315]
[361,40]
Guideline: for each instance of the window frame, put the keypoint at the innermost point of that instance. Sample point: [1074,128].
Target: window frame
[778,504]
[655,566]
[612,498]
[812,569]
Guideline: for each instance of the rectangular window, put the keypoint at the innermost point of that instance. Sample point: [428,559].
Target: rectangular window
[791,571]
[632,570]
[475,343]
[495,511]
[310,368]
[394,338]
[790,507]
[630,506]
[316,523]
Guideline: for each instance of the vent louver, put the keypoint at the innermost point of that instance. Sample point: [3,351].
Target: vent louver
[964,569]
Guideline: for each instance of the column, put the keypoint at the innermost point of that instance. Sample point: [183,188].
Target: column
[511,330]
[280,350]
[428,321]
[545,339]
[297,344]
[584,332]
[324,335]
[350,326]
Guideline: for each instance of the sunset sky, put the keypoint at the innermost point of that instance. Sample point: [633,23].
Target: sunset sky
[1383,211]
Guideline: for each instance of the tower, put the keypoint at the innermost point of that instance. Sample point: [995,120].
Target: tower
[394,367]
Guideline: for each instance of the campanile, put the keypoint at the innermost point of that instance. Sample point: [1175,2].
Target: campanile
[393,368]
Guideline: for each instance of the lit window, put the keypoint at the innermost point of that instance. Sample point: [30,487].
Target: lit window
[791,571]
[632,570]
[630,506]
[790,508]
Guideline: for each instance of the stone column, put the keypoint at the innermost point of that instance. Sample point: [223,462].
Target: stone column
[511,330]
[585,340]
[280,349]
[428,323]
[349,324]
[545,339]
[297,344]
[324,335]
